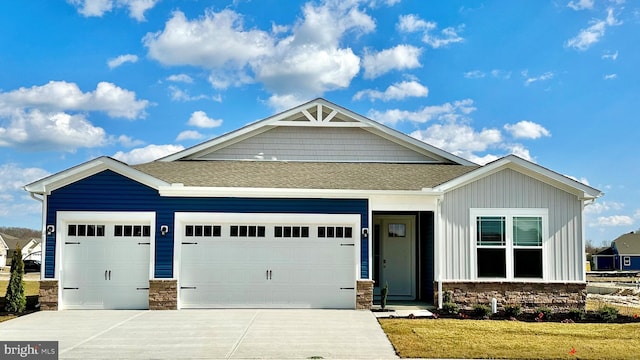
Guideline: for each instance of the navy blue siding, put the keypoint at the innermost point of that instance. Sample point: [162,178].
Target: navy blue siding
[109,191]
[604,263]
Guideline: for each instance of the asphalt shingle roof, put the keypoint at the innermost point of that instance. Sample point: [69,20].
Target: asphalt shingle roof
[628,244]
[304,175]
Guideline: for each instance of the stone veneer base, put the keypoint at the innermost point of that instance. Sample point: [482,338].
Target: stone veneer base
[163,294]
[557,296]
[364,294]
[48,295]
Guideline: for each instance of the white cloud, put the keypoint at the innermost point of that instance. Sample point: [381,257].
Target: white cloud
[413,23]
[614,220]
[397,58]
[189,135]
[501,74]
[284,102]
[147,153]
[213,41]
[580,4]
[445,112]
[201,120]
[591,35]
[128,141]
[610,55]
[460,139]
[184,78]
[531,79]
[136,8]
[178,94]
[35,130]
[15,177]
[526,130]
[311,61]
[603,206]
[610,76]
[396,91]
[64,96]
[117,61]
[474,74]
[302,61]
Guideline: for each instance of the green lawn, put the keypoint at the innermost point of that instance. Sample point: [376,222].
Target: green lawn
[450,338]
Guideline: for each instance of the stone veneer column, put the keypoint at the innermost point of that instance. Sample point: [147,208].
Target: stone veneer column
[163,294]
[364,294]
[48,295]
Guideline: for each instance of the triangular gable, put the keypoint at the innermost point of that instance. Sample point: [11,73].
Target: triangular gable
[318,113]
[66,177]
[528,168]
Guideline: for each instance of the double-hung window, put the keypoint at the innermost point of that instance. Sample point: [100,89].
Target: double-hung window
[509,242]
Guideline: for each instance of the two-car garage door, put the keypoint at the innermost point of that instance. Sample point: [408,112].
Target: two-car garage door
[267,260]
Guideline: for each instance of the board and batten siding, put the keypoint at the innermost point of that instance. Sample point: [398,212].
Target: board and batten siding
[110,191]
[511,189]
[307,143]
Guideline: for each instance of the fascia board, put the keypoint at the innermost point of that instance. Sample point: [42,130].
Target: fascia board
[528,168]
[66,177]
[178,190]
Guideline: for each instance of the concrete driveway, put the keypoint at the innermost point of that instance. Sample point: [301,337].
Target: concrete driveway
[205,334]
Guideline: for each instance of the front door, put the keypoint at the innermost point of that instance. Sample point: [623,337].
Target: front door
[397,256]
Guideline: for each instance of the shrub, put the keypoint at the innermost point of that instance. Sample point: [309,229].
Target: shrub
[512,310]
[450,308]
[447,297]
[544,314]
[481,311]
[577,314]
[607,313]
[383,296]
[15,300]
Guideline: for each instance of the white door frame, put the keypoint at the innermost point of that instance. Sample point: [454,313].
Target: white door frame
[383,220]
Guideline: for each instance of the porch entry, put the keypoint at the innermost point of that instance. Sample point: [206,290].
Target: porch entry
[403,255]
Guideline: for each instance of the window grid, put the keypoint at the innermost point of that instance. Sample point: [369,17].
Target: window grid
[203,230]
[132,231]
[247,231]
[341,232]
[87,230]
[291,231]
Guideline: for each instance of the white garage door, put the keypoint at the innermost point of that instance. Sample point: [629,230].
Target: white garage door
[291,263]
[106,266]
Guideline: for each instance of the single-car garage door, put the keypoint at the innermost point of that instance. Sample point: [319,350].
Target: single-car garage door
[105,265]
[273,260]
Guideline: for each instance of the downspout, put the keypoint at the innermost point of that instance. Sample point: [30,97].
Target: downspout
[43,236]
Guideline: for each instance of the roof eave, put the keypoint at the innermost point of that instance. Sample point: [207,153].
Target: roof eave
[50,183]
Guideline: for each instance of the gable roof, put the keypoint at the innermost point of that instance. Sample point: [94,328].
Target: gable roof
[3,244]
[628,244]
[63,178]
[13,242]
[317,113]
[303,175]
[528,168]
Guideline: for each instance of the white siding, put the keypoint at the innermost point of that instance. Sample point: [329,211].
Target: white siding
[317,144]
[511,189]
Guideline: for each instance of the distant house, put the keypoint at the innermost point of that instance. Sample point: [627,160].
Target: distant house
[626,251]
[4,249]
[30,248]
[604,260]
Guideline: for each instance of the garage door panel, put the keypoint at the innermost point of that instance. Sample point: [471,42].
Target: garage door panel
[104,270]
[268,271]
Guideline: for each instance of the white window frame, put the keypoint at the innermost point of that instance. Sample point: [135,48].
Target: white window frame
[626,260]
[508,214]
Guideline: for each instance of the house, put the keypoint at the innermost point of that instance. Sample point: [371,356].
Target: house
[604,260]
[4,250]
[626,251]
[315,207]
[29,248]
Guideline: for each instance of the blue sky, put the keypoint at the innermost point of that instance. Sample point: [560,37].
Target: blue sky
[554,82]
